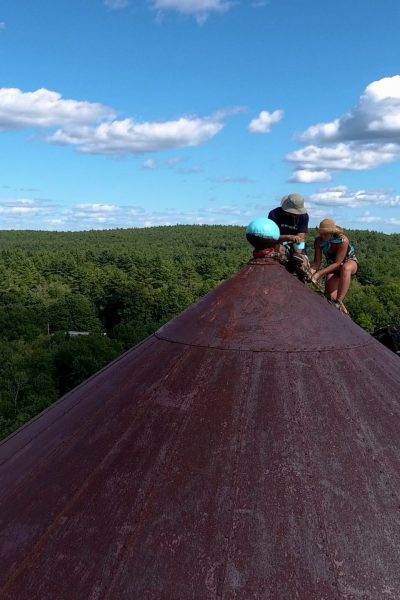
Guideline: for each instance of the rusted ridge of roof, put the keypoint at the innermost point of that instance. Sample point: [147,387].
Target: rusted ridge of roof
[264,310]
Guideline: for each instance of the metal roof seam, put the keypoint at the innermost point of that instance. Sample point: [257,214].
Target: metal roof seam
[144,501]
[323,530]
[243,429]
[266,350]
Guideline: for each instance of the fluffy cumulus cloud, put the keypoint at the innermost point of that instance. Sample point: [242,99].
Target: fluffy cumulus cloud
[265,121]
[343,196]
[310,176]
[44,109]
[200,9]
[375,118]
[128,137]
[92,128]
[366,137]
[350,156]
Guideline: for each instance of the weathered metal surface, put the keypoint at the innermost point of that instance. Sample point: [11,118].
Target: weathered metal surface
[262,309]
[250,450]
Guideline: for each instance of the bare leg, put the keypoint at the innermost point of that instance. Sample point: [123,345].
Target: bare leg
[348,269]
[331,285]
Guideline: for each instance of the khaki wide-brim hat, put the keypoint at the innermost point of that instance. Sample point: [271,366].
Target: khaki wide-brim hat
[329,226]
[293,203]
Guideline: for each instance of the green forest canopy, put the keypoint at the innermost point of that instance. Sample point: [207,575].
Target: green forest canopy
[125,283]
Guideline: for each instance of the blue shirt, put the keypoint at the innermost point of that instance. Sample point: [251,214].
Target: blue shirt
[288,223]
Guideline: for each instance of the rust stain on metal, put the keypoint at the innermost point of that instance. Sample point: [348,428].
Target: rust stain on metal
[248,450]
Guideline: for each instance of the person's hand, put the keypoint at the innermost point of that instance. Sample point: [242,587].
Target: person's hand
[313,270]
[317,275]
[296,239]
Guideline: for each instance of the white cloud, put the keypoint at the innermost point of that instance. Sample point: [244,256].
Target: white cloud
[368,218]
[116,4]
[350,156]
[44,109]
[200,9]
[309,176]
[366,137]
[343,196]
[97,208]
[392,222]
[265,120]
[128,137]
[139,216]
[92,127]
[150,163]
[18,210]
[43,214]
[376,117]
[96,213]
[25,213]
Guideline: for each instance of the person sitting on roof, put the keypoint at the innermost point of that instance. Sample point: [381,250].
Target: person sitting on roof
[341,261]
[262,234]
[292,220]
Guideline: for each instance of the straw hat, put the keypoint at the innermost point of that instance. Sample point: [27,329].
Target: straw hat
[294,204]
[328,226]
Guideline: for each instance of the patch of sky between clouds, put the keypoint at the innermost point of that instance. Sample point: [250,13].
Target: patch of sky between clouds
[116,4]
[177,164]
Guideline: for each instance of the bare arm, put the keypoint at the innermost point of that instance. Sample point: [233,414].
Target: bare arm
[339,258]
[317,255]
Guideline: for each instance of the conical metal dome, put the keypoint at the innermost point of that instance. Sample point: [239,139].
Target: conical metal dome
[248,450]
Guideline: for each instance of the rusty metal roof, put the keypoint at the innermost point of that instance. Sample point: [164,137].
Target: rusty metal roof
[248,450]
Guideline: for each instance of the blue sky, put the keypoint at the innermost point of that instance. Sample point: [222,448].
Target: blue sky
[147,112]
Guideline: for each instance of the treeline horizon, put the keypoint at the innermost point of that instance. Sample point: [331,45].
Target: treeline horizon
[126,283]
